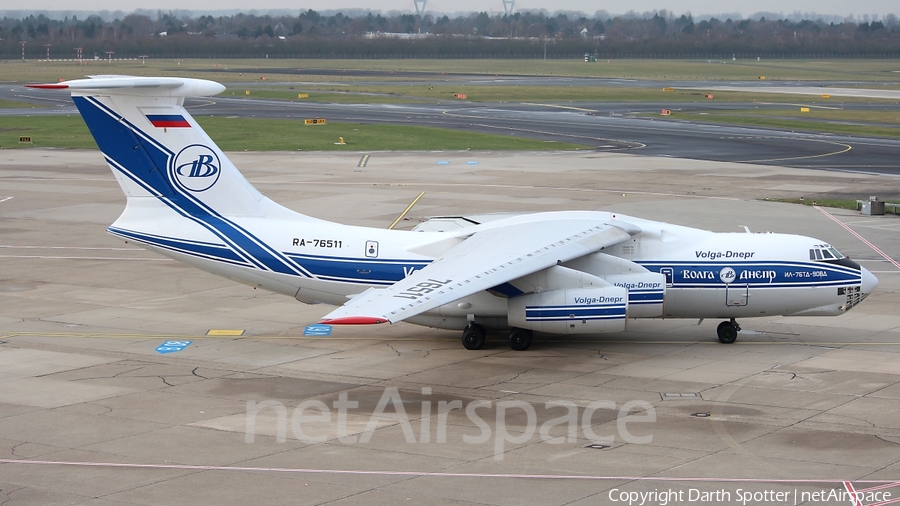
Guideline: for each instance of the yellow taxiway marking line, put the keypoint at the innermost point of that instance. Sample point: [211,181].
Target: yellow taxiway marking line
[813,106]
[410,206]
[206,103]
[225,332]
[846,147]
[560,107]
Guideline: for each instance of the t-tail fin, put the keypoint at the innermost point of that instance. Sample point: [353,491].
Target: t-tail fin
[156,149]
[185,198]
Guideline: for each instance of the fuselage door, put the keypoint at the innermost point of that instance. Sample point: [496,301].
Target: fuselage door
[737,294]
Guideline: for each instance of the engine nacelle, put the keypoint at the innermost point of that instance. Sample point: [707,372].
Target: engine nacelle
[571,311]
[646,292]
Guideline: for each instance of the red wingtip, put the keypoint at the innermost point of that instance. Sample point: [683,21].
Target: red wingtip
[354,320]
[49,86]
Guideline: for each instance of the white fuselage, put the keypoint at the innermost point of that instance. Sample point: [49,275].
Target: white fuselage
[706,274]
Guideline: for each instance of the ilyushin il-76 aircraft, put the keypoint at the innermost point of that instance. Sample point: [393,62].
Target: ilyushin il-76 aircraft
[567,272]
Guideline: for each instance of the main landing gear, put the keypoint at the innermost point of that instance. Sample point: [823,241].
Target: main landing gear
[473,338]
[728,331]
[520,339]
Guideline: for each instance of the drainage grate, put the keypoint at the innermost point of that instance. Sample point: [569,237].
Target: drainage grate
[675,396]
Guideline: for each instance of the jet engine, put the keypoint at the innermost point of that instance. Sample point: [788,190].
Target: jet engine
[646,292]
[571,311]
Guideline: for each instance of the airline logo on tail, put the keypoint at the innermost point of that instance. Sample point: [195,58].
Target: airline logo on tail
[196,168]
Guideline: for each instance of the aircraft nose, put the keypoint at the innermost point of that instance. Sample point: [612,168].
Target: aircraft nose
[869,281]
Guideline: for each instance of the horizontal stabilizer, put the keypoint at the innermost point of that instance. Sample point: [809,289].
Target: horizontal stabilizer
[143,86]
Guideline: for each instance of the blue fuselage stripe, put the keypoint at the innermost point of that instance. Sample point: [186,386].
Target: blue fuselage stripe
[756,274]
[210,251]
[359,271]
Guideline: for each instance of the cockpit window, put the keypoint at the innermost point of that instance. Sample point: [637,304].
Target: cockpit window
[824,252]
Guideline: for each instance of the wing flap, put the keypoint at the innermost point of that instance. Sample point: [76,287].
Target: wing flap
[486,259]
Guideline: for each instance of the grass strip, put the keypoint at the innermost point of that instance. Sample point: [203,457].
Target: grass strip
[15,104]
[368,93]
[789,124]
[316,94]
[824,113]
[46,132]
[835,203]
[235,134]
[246,134]
[664,70]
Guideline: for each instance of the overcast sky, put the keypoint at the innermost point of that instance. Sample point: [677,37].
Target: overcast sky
[856,8]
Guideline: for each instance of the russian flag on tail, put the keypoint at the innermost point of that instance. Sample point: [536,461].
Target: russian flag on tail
[168,121]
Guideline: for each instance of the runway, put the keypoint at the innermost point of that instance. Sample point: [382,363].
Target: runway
[604,126]
[113,393]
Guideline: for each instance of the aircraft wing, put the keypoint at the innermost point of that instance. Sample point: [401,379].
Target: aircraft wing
[484,260]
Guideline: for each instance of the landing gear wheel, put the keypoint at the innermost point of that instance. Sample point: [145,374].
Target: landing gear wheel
[473,336]
[728,332]
[520,339]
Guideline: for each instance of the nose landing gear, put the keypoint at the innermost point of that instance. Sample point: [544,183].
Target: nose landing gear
[728,331]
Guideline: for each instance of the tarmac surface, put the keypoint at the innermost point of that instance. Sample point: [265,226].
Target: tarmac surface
[99,407]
